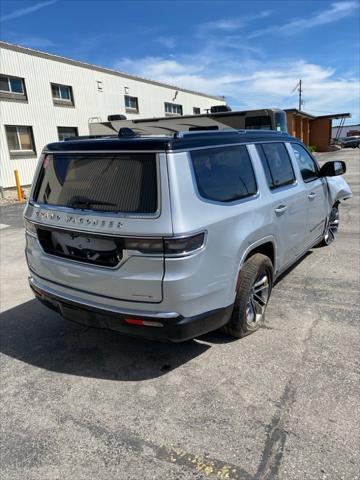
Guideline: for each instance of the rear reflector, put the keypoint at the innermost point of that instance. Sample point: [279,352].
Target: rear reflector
[145,323]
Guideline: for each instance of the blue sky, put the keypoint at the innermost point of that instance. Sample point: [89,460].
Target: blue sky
[252,52]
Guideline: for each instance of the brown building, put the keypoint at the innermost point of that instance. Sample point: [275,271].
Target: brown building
[313,131]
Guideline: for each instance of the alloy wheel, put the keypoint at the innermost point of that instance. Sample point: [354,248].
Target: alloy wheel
[332,226]
[259,295]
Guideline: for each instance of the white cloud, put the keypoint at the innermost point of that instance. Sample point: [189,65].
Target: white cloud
[230,24]
[337,11]
[21,12]
[252,83]
[168,42]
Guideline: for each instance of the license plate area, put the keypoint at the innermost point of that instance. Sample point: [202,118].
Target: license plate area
[92,249]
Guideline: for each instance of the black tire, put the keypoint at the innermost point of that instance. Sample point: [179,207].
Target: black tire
[257,266]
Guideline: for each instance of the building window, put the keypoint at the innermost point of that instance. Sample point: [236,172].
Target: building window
[99,86]
[20,140]
[62,94]
[196,111]
[12,87]
[66,132]
[131,104]
[173,109]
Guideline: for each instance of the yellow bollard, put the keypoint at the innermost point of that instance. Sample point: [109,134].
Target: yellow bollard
[18,186]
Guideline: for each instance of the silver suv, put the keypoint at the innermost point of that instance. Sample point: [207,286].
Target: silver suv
[172,237]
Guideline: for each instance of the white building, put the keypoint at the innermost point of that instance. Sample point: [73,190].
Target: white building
[44,98]
[340,132]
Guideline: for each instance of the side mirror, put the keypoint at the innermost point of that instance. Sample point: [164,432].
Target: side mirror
[332,169]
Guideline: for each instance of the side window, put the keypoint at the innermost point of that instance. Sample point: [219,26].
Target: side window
[277,164]
[224,174]
[307,165]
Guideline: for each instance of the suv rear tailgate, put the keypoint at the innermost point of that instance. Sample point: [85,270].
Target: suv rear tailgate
[97,251]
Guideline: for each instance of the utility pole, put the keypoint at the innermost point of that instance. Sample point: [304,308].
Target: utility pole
[298,87]
[300,93]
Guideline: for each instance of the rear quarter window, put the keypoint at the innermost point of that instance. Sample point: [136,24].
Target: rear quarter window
[224,174]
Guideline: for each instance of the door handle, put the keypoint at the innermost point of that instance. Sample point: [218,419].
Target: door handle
[312,195]
[281,209]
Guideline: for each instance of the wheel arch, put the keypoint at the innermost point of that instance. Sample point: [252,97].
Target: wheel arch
[267,246]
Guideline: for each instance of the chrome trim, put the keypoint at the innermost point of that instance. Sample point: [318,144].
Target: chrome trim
[283,188]
[208,147]
[118,233]
[123,311]
[94,213]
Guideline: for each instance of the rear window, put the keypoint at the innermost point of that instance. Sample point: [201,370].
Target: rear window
[97,181]
[224,174]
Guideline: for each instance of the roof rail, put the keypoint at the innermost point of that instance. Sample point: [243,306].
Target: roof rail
[87,137]
[208,131]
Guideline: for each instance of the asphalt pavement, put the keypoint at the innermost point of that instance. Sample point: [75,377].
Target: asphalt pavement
[79,403]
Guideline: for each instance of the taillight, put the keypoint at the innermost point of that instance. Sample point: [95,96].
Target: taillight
[184,245]
[144,245]
[176,246]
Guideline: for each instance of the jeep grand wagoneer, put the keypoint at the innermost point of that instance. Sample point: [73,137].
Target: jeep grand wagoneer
[169,237]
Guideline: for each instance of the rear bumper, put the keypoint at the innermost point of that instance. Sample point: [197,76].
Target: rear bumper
[164,327]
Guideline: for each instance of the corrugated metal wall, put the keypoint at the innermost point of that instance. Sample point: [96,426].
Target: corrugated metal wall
[44,117]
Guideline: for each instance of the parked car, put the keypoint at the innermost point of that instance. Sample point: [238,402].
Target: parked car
[174,236]
[351,142]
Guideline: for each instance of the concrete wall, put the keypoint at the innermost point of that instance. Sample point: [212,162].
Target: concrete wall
[40,112]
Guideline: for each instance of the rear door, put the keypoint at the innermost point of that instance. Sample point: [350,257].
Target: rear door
[315,192]
[100,218]
[287,203]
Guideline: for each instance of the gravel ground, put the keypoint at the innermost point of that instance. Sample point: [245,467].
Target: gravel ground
[283,403]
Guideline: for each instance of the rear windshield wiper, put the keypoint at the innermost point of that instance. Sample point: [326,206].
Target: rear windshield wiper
[89,203]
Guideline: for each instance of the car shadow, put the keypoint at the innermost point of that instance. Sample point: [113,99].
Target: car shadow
[34,334]
[292,267]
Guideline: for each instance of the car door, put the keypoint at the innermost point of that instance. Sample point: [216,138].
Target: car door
[287,201]
[316,193]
